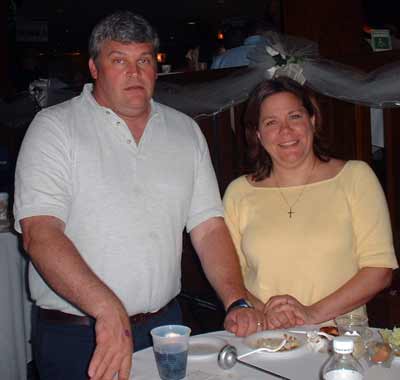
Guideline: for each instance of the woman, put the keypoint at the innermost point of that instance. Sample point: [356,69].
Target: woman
[312,232]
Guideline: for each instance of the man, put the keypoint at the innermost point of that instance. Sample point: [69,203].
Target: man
[238,56]
[105,185]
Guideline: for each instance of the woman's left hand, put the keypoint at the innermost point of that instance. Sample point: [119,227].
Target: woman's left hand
[286,311]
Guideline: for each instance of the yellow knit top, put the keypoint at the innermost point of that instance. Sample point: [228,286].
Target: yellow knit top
[339,225]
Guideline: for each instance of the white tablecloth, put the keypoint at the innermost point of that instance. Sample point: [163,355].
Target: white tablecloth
[15,349]
[304,366]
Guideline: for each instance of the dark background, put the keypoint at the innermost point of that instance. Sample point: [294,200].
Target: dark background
[182,24]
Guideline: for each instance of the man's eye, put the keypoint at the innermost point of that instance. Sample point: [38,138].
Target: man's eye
[118,60]
[144,61]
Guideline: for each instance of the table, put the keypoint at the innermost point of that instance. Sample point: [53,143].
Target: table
[14,311]
[305,366]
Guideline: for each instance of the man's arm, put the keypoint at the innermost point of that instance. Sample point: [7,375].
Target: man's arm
[215,249]
[63,268]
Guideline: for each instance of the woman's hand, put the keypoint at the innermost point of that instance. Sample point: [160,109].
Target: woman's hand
[285,311]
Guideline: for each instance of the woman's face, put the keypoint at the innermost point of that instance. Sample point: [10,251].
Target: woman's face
[286,130]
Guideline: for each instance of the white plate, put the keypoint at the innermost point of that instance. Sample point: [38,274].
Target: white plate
[205,347]
[252,342]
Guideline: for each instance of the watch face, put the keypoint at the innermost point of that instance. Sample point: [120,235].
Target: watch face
[240,303]
[245,303]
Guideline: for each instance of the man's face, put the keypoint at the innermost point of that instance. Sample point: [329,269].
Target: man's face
[124,77]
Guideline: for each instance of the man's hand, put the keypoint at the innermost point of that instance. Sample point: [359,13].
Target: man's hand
[244,321]
[286,311]
[59,262]
[114,347]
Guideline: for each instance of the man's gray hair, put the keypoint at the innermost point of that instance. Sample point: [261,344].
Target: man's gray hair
[124,27]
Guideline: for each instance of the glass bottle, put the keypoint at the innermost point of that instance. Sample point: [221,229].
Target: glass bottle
[342,365]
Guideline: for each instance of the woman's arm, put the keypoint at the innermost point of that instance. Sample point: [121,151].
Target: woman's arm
[354,293]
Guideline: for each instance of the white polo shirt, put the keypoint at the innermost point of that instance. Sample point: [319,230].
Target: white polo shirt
[124,205]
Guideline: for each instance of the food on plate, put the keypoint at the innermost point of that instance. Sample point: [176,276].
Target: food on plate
[392,337]
[291,342]
[331,330]
[380,352]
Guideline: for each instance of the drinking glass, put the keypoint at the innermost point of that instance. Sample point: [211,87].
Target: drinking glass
[170,345]
[356,326]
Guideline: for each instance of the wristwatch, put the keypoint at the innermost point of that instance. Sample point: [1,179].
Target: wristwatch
[240,303]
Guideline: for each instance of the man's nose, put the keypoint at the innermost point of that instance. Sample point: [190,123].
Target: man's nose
[131,70]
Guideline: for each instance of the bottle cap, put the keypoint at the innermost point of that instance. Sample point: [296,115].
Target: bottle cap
[343,345]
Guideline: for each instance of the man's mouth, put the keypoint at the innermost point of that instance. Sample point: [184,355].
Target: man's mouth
[134,87]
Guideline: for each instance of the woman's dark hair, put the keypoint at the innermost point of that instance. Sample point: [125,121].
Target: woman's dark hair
[259,161]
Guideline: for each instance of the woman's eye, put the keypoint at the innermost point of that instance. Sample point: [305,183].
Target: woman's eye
[296,116]
[270,123]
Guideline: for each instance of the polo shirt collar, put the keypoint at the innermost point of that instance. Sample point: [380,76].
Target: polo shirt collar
[88,95]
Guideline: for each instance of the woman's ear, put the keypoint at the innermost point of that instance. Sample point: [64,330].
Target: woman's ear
[312,119]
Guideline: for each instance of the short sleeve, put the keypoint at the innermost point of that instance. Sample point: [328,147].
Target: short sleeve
[371,221]
[206,199]
[232,219]
[43,171]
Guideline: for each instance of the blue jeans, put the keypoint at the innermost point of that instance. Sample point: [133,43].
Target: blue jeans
[63,352]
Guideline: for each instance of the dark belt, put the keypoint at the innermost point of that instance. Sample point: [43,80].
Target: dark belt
[55,316]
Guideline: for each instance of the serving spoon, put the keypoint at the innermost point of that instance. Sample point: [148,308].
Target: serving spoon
[265,349]
[228,357]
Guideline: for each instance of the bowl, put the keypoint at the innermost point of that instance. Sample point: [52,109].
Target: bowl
[379,353]
[392,337]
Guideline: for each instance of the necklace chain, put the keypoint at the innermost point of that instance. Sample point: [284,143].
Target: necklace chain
[290,212]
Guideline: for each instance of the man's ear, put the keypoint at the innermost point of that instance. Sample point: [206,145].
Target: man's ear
[93,69]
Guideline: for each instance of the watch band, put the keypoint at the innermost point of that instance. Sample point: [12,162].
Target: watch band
[240,303]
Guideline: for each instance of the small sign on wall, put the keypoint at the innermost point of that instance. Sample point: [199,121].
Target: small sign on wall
[381,40]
